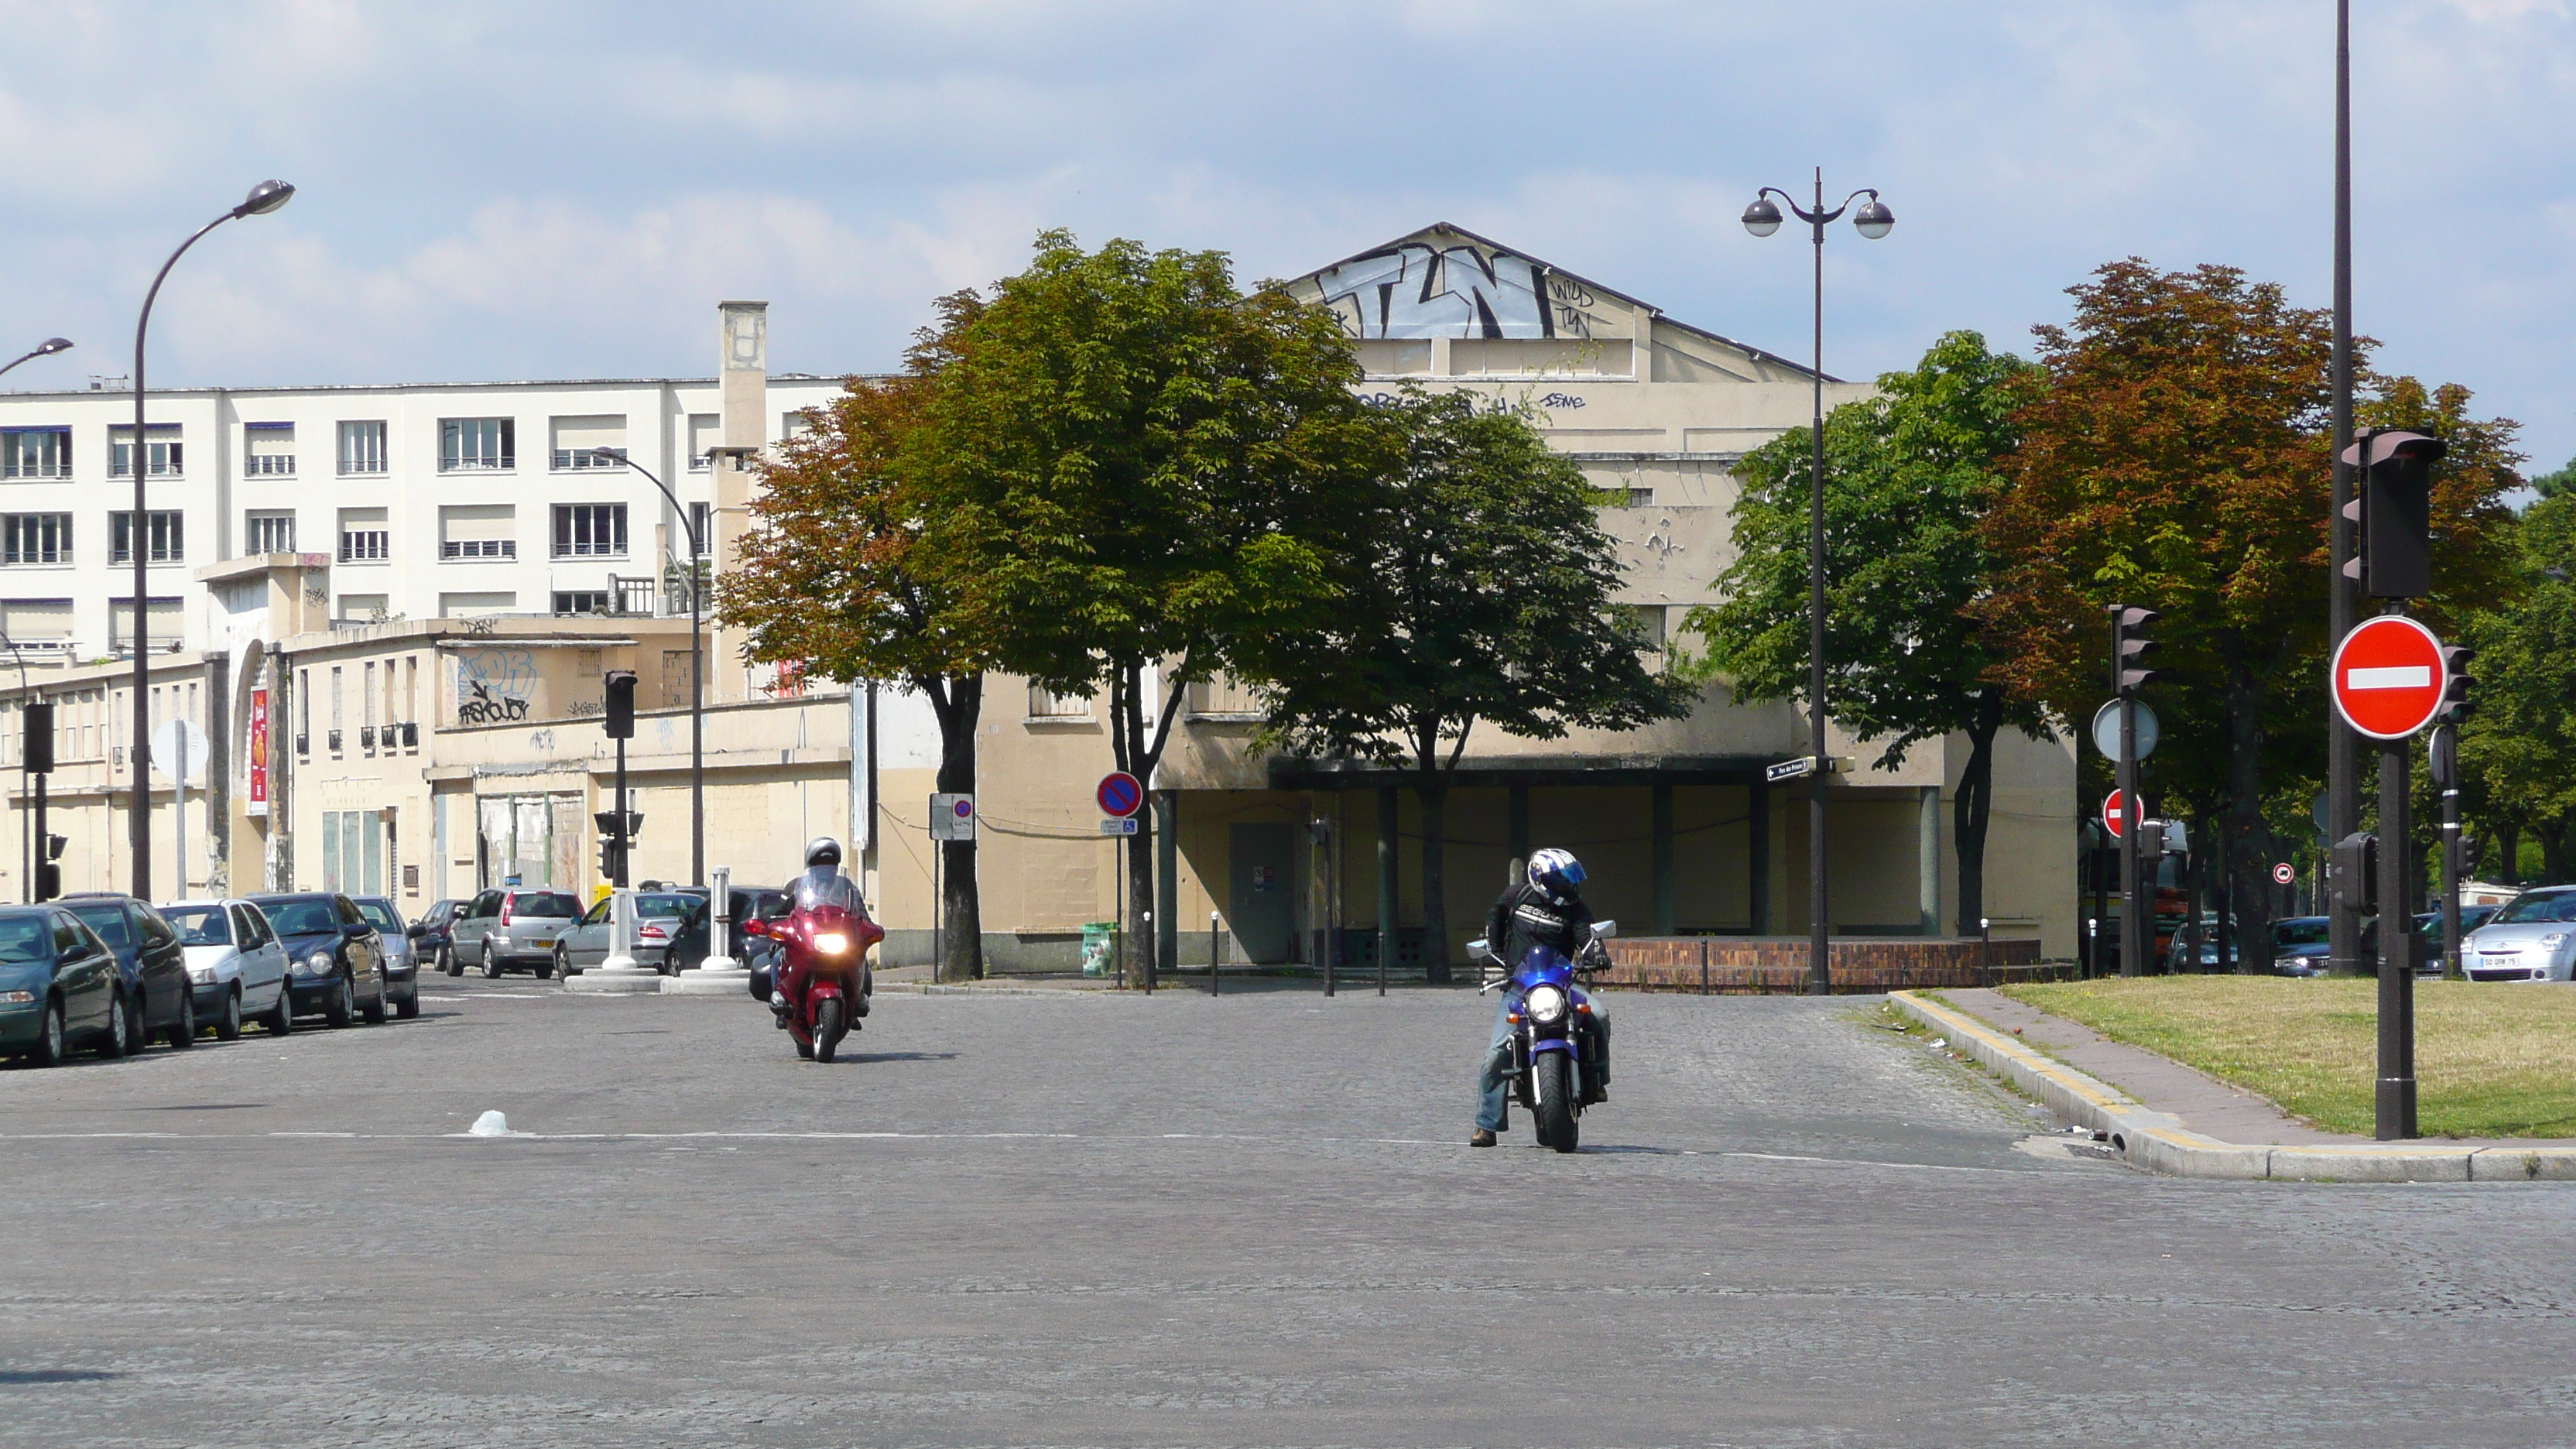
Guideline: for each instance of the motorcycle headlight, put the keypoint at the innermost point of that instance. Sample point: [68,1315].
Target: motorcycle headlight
[1545,1005]
[831,943]
[318,964]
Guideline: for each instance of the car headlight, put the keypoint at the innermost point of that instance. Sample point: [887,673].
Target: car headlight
[1545,1005]
[201,974]
[831,943]
[2553,940]
[317,964]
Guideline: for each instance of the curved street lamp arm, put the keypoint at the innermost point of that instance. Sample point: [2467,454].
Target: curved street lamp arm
[697,550]
[144,321]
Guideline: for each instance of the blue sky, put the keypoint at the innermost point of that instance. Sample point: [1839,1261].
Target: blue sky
[566,189]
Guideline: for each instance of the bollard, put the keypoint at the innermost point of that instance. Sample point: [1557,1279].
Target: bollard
[1212,953]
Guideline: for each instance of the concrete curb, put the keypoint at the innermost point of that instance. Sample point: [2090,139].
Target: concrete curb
[2158,1141]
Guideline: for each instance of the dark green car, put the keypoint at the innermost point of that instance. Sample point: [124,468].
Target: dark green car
[61,988]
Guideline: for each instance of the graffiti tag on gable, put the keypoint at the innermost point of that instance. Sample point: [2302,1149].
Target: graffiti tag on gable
[1467,290]
[493,685]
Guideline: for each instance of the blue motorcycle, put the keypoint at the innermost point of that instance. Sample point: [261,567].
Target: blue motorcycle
[1553,1065]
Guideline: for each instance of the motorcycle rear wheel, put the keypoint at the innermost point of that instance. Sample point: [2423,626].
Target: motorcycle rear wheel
[1554,1081]
[828,1028]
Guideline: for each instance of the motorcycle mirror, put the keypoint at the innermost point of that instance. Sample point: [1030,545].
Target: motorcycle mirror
[1604,930]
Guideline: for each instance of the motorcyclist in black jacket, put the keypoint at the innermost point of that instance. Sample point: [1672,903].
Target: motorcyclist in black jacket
[1547,910]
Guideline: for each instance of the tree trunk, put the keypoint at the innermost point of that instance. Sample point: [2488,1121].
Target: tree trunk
[2508,842]
[1432,787]
[1973,808]
[961,947]
[2553,851]
[2246,833]
[1138,749]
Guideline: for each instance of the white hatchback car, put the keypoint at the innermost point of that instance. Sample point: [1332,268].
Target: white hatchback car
[235,965]
[2533,938]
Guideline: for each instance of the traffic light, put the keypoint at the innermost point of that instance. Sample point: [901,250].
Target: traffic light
[2455,693]
[2129,649]
[40,737]
[2394,506]
[608,853]
[621,704]
[2442,757]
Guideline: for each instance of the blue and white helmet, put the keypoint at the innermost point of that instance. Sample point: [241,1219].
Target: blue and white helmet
[1555,871]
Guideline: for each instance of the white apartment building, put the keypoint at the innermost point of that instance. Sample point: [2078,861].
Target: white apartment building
[429,500]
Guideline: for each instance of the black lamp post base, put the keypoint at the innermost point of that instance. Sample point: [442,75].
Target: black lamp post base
[2396,1116]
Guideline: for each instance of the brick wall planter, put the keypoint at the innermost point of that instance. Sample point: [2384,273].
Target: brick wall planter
[1762,965]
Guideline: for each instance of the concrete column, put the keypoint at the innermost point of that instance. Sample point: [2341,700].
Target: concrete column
[1927,859]
[1666,915]
[743,376]
[621,974]
[722,972]
[1757,858]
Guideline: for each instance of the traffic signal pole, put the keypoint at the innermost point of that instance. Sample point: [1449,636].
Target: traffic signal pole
[2395,1115]
[2343,745]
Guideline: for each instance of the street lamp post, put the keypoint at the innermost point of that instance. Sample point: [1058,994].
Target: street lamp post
[697,674]
[264,198]
[1873,220]
[46,348]
[26,695]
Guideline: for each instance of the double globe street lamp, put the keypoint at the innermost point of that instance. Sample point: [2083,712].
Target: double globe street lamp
[264,198]
[1872,220]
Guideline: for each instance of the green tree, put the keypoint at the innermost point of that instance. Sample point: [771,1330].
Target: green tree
[2550,485]
[2519,744]
[1139,466]
[1908,474]
[1478,590]
[837,576]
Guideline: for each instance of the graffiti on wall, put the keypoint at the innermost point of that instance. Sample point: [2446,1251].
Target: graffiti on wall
[493,685]
[1466,289]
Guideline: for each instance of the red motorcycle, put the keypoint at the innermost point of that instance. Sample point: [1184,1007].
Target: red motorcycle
[822,984]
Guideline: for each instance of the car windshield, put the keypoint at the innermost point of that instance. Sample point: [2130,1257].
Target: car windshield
[665,905]
[200,925]
[25,938]
[544,903]
[2299,932]
[302,918]
[2553,906]
[380,916]
[108,919]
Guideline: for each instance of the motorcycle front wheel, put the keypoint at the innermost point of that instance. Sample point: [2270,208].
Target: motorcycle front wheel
[828,1028]
[1553,1078]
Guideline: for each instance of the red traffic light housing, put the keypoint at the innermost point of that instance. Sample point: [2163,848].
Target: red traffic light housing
[2394,506]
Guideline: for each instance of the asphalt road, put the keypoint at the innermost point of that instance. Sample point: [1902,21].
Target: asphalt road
[1106,1220]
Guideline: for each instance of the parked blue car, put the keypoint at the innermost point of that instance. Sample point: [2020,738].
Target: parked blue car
[60,988]
[158,998]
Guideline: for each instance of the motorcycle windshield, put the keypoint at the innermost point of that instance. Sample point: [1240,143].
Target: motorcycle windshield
[819,889]
[1541,963]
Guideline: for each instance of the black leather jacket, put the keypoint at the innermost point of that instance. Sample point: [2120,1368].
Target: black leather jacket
[1526,916]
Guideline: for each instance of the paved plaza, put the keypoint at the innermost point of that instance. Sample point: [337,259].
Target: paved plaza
[1079,1218]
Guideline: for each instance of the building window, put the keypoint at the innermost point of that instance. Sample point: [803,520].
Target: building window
[478,531]
[36,453]
[161,451]
[353,852]
[1045,704]
[165,533]
[584,530]
[702,526]
[32,623]
[475,444]
[36,538]
[706,430]
[584,601]
[578,441]
[364,536]
[162,620]
[1643,623]
[268,449]
[362,448]
[268,533]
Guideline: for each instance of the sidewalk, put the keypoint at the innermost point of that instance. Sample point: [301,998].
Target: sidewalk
[2166,1117]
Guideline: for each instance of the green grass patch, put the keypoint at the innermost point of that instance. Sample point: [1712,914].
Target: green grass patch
[2490,1061]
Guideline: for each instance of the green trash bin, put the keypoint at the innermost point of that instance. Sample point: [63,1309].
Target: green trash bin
[1099,948]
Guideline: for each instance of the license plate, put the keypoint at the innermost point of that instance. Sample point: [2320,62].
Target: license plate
[541,942]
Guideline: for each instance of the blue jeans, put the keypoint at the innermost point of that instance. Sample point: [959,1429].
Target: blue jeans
[1491,1086]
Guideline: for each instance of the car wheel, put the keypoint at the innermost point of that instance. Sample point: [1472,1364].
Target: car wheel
[183,1032]
[409,1006]
[376,1005]
[491,965]
[563,963]
[228,1027]
[120,1024]
[447,963]
[545,968]
[49,1041]
[341,1004]
[281,1017]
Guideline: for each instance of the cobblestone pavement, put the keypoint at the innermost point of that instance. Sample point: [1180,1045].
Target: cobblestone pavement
[1092,1219]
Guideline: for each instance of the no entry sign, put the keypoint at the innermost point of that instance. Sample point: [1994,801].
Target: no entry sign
[2388,677]
[1121,794]
[2115,815]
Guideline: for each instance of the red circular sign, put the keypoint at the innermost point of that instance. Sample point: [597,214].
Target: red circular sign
[1121,794]
[2388,677]
[2115,816]
[2282,874]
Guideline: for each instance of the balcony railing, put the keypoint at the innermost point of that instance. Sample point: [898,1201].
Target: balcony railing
[578,458]
[349,466]
[456,548]
[484,463]
[271,464]
[333,740]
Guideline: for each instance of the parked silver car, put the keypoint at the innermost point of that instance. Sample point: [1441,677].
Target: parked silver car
[2533,938]
[514,927]
[660,916]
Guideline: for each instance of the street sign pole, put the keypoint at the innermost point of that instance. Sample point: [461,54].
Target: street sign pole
[2135,927]
[2445,760]
[2396,1099]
